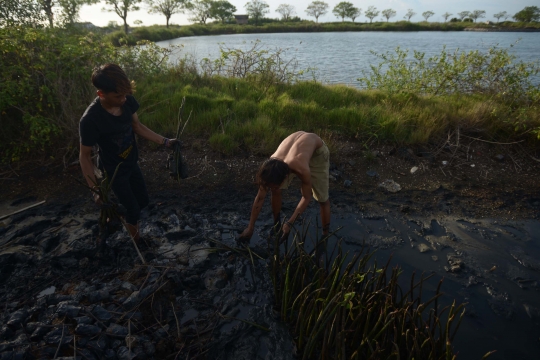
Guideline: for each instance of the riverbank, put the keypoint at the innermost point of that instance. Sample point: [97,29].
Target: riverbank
[157,33]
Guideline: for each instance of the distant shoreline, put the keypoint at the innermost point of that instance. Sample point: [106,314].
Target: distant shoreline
[500,30]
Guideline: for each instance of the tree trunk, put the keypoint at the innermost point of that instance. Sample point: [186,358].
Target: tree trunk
[125,26]
[168,17]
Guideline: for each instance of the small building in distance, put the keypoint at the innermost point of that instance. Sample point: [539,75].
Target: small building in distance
[241,19]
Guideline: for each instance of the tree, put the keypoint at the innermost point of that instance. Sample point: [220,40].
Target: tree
[528,14]
[199,10]
[286,11]
[122,8]
[477,14]
[47,7]
[446,15]
[355,12]
[256,9]
[371,13]
[17,12]
[222,9]
[343,9]
[166,7]
[427,14]
[70,9]
[388,13]
[500,15]
[462,15]
[410,13]
[316,9]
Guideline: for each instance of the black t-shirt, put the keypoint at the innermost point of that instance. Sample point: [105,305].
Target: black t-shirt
[113,134]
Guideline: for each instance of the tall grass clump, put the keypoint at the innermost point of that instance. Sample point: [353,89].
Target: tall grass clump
[351,308]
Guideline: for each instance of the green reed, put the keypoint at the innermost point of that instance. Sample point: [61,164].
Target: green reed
[356,309]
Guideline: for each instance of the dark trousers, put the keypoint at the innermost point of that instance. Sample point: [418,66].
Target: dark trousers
[130,189]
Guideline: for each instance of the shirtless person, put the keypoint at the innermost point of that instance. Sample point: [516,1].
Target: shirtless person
[306,156]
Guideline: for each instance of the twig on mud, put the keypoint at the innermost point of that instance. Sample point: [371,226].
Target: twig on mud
[60,343]
[494,142]
[442,171]
[176,318]
[133,241]
[515,163]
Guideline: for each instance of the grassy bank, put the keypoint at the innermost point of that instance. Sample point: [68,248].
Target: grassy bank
[159,33]
[235,114]
[237,108]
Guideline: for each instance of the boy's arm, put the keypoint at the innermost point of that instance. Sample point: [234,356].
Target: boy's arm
[148,134]
[305,177]
[255,211]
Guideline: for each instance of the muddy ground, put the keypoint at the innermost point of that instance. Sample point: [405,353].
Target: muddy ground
[468,213]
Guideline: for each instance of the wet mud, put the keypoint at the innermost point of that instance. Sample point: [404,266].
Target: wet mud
[200,294]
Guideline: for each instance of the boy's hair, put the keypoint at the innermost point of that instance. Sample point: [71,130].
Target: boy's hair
[111,78]
[272,171]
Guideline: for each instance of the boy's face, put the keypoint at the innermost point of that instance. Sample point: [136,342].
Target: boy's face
[112,99]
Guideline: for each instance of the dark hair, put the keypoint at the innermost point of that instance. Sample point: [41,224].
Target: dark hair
[111,78]
[272,171]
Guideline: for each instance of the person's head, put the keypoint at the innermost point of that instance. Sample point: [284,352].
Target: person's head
[272,173]
[112,84]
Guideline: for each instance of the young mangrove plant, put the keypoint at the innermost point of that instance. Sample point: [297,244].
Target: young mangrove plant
[351,308]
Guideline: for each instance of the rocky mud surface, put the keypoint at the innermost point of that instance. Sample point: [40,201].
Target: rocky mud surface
[200,294]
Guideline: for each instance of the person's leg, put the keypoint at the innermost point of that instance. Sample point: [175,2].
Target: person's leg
[123,191]
[138,187]
[325,216]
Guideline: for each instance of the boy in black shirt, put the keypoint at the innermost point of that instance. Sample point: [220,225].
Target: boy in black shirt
[111,122]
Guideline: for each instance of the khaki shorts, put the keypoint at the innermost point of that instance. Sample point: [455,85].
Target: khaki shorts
[319,166]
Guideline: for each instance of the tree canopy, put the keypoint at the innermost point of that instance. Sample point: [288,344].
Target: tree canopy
[222,10]
[199,10]
[166,7]
[256,9]
[410,13]
[388,13]
[427,14]
[477,14]
[371,13]
[528,14]
[316,9]
[286,11]
[122,8]
[343,10]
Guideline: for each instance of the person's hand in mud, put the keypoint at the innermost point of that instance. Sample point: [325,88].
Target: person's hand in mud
[169,142]
[246,235]
[97,198]
[285,231]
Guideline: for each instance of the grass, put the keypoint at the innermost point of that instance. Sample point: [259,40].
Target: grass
[351,308]
[241,114]
[160,32]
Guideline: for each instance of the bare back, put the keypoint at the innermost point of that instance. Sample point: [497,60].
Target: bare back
[296,151]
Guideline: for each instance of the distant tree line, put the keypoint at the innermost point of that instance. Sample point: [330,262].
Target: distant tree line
[66,12]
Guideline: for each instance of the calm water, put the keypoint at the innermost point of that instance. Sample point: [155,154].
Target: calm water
[340,57]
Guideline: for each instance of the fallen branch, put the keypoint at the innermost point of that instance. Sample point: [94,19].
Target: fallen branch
[21,210]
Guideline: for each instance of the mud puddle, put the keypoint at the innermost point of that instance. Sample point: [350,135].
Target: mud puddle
[491,265]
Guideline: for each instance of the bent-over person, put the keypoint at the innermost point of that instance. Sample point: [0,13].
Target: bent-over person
[305,156]
[111,122]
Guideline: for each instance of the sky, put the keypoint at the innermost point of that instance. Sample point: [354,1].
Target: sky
[95,15]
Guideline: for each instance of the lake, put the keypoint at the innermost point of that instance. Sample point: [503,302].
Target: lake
[341,57]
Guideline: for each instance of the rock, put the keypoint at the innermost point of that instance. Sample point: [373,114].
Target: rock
[18,318]
[390,186]
[55,337]
[124,354]
[423,248]
[499,157]
[98,296]
[101,314]
[434,258]
[352,162]
[216,279]
[87,330]
[117,330]
[84,262]
[39,332]
[372,173]
[84,320]
[99,346]
[414,169]
[347,183]
[68,310]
